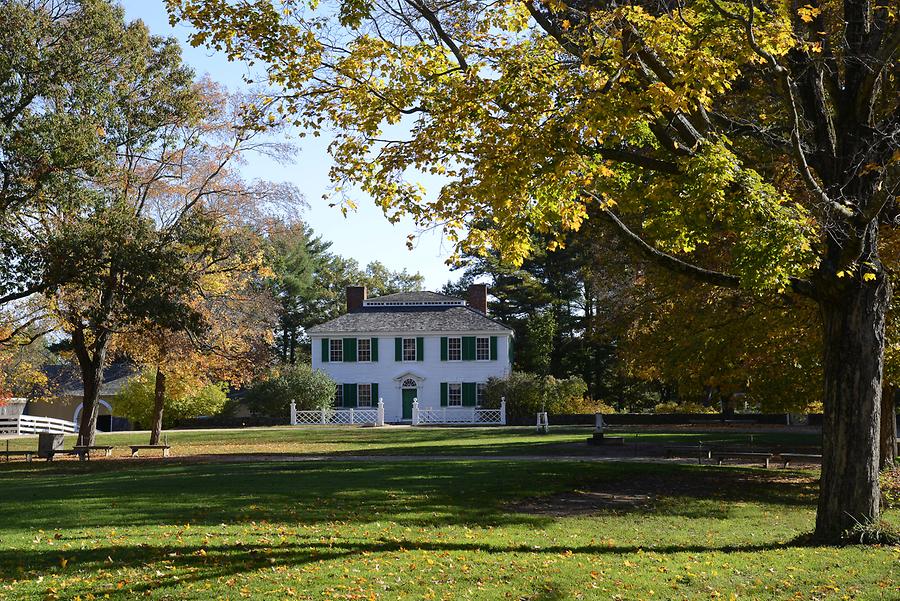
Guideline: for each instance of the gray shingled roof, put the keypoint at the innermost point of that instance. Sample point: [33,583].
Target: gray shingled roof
[412,297]
[411,319]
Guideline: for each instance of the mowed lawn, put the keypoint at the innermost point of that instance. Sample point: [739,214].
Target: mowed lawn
[416,441]
[466,529]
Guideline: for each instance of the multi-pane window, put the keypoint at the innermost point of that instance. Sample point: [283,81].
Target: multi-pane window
[409,349]
[339,396]
[454,395]
[336,349]
[479,394]
[482,349]
[454,349]
[364,349]
[364,395]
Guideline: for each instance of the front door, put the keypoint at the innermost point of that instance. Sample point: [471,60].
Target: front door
[408,395]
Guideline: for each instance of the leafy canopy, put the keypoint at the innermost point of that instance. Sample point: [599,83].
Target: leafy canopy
[537,114]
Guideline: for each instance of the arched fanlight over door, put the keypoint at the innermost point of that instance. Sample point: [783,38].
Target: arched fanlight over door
[409,383]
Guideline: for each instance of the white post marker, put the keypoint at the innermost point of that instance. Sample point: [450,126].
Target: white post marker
[543,424]
[415,412]
[379,419]
[503,410]
[293,413]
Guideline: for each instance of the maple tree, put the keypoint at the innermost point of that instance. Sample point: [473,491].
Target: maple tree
[768,129]
[185,367]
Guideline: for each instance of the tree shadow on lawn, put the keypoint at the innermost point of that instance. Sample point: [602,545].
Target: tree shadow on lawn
[185,563]
[86,501]
[409,493]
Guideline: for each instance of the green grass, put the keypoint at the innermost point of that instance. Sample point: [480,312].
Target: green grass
[418,530]
[415,441]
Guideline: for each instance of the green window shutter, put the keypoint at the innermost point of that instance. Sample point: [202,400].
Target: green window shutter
[444,394]
[326,351]
[468,394]
[374,394]
[468,348]
[493,348]
[349,349]
[512,354]
[398,349]
[420,349]
[350,395]
[374,346]
[443,348]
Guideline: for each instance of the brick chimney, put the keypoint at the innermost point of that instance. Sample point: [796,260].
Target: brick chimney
[355,297]
[478,297]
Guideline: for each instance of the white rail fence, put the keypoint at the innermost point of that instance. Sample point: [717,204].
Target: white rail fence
[458,415]
[421,416]
[338,417]
[30,424]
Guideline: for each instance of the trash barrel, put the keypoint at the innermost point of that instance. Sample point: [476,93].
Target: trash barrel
[48,443]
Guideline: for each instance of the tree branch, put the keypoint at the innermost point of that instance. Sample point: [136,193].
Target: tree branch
[695,272]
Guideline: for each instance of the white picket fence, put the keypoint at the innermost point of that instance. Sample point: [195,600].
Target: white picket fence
[30,424]
[458,415]
[420,416]
[338,417]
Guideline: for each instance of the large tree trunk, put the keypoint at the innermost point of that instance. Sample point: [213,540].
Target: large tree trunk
[888,440]
[159,400]
[854,321]
[91,365]
[92,378]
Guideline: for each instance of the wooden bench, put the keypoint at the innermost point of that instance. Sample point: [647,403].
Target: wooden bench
[135,448]
[719,456]
[85,451]
[698,451]
[82,454]
[786,458]
[28,455]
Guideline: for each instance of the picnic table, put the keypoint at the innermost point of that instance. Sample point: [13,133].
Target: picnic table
[698,451]
[720,456]
[786,458]
[84,451]
[29,455]
[136,448]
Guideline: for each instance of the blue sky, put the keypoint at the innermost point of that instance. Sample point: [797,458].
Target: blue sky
[365,234]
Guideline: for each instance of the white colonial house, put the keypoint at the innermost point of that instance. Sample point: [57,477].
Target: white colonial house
[423,348]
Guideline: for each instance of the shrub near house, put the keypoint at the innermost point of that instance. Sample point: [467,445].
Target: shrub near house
[526,394]
[308,388]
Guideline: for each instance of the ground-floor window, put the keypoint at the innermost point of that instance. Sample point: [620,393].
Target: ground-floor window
[479,394]
[454,395]
[339,396]
[364,395]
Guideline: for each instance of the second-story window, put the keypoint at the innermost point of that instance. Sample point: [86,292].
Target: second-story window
[409,349]
[482,348]
[336,349]
[364,349]
[454,349]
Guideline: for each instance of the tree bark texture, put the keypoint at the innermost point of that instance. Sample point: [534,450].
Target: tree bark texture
[888,441]
[159,400]
[854,324]
[92,378]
